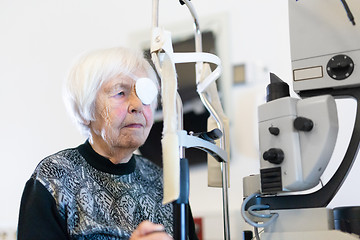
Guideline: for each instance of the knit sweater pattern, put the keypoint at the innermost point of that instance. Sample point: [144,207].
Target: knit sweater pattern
[101,205]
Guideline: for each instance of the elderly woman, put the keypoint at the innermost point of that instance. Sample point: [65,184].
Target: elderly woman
[101,189]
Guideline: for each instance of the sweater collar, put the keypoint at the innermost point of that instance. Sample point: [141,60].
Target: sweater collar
[103,164]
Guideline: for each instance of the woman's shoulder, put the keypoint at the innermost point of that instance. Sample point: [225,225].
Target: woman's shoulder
[58,164]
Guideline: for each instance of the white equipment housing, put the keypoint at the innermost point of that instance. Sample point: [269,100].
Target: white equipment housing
[325,45]
[305,153]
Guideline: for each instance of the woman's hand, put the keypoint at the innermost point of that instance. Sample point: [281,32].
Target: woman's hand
[150,231]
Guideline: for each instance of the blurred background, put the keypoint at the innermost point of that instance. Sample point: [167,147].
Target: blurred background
[40,38]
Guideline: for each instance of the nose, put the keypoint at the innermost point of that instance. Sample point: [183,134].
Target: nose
[135,104]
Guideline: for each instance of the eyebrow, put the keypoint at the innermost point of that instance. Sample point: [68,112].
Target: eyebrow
[117,86]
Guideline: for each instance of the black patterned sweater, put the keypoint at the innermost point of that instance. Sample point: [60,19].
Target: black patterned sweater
[78,194]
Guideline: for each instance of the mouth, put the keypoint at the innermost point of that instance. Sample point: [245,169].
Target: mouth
[134,125]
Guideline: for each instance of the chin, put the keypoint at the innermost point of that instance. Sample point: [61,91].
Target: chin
[134,143]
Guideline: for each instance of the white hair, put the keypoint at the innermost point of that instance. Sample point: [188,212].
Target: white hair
[90,71]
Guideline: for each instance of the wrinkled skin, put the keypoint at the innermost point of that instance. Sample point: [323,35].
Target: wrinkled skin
[122,124]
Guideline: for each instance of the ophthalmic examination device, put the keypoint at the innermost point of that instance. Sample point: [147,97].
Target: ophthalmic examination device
[297,136]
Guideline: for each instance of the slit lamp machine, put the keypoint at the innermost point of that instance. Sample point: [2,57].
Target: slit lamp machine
[297,136]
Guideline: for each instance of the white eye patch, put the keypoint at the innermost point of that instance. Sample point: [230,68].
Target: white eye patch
[146,90]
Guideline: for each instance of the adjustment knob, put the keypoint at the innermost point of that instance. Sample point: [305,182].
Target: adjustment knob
[274,155]
[340,67]
[303,124]
[274,130]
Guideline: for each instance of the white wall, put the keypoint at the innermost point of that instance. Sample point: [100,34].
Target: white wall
[39,39]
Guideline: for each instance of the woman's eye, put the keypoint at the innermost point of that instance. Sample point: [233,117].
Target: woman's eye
[120,93]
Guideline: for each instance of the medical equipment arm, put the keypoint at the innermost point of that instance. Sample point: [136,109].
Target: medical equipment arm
[173,140]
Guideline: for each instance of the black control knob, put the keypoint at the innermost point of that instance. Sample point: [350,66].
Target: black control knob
[340,67]
[303,124]
[274,130]
[274,155]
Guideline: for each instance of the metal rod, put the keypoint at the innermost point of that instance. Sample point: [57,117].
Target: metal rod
[179,110]
[224,166]
[155,13]
[198,38]
[181,216]
[155,24]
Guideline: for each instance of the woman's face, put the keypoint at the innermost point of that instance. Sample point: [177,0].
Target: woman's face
[122,121]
